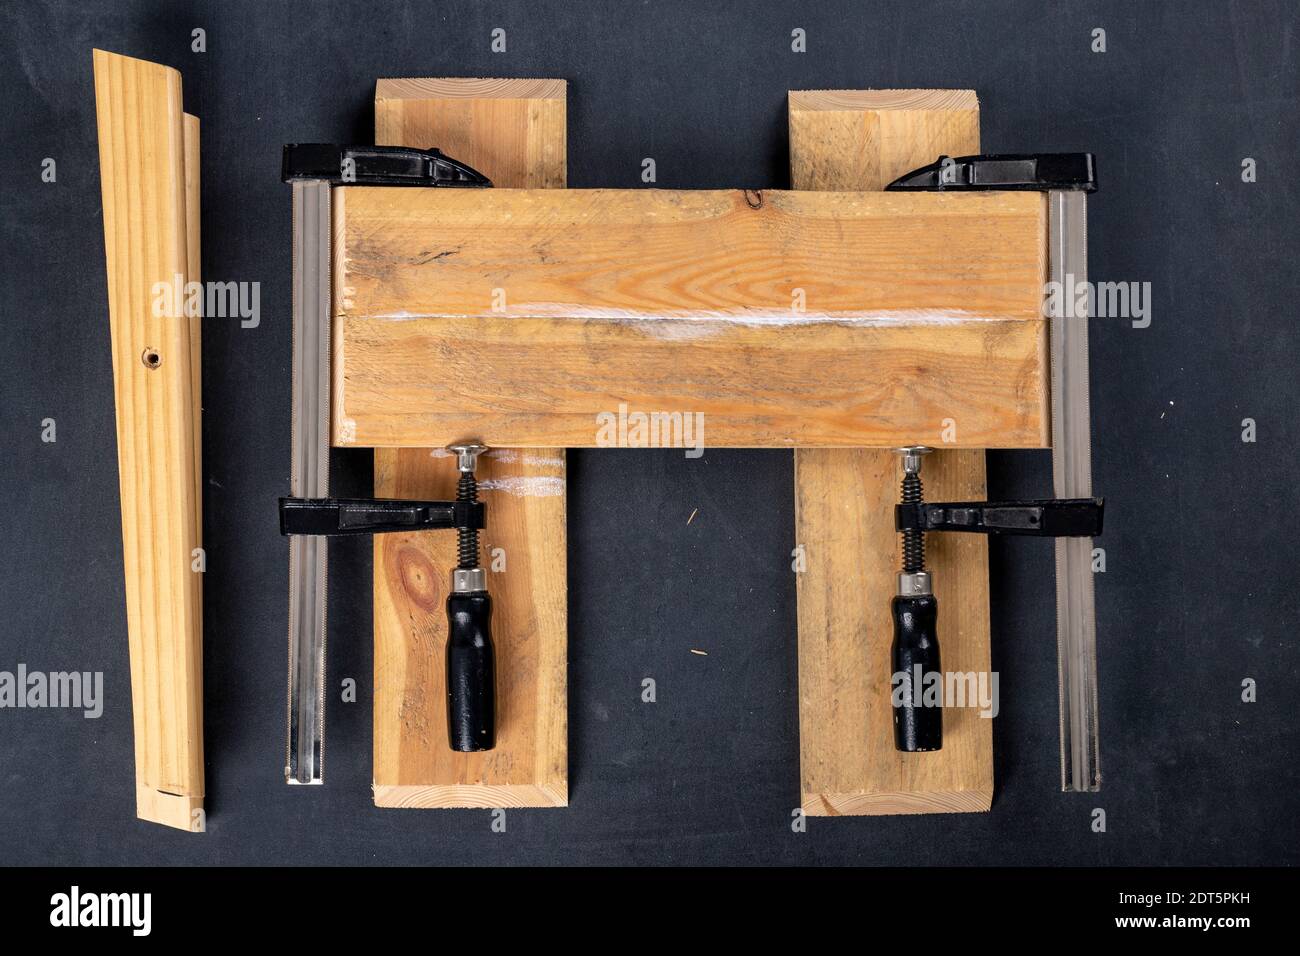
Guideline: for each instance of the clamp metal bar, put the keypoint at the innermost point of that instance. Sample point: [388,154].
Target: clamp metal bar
[1076,622]
[309,478]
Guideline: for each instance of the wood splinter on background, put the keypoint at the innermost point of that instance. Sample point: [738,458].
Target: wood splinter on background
[148,158]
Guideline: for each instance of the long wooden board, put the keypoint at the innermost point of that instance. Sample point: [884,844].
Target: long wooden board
[514,131]
[148,170]
[785,319]
[844,501]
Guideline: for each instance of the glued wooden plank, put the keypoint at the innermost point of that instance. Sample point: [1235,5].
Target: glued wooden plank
[815,319]
[143,167]
[514,131]
[844,518]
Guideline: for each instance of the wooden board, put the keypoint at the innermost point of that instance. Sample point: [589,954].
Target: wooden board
[143,173]
[514,131]
[844,518]
[817,319]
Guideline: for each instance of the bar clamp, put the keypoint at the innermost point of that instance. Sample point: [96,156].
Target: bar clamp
[313,169]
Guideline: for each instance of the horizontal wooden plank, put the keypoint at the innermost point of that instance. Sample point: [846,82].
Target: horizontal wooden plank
[659,254]
[548,383]
[522,317]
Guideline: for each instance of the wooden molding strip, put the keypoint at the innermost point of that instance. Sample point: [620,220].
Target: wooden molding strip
[514,131]
[148,155]
[844,518]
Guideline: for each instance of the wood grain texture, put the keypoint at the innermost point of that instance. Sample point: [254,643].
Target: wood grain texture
[816,319]
[844,519]
[958,104]
[143,173]
[514,132]
[483,94]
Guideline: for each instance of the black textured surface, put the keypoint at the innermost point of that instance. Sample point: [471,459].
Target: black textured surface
[1201,587]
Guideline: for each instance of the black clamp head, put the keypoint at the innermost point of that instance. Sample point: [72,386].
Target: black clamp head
[340,516]
[376,166]
[1024,172]
[1047,518]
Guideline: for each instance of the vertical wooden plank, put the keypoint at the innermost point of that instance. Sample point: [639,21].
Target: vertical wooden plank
[863,139]
[143,180]
[513,131]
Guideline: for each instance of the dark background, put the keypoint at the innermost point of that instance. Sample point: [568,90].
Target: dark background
[1201,585]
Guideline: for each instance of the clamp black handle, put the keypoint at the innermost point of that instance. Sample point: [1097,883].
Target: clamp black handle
[918,727]
[471,673]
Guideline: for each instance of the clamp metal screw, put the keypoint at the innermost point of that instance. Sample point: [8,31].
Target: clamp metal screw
[913,579]
[468,574]
[467,455]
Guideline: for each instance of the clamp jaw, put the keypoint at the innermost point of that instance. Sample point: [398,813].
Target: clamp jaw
[471,663]
[1042,518]
[375,166]
[918,726]
[1007,172]
[342,516]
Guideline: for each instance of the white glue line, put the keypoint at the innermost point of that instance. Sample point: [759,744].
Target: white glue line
[539,486]
[512,455]
[779,317]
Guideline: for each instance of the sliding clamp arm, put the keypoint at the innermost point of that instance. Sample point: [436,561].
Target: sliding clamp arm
[1047,518]
[339,516]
